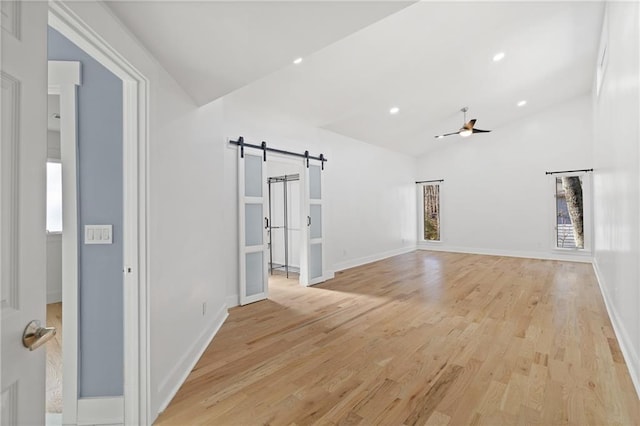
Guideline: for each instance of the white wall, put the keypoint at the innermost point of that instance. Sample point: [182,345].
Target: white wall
[185,171]
[495,198]
[616,180]
[368,197]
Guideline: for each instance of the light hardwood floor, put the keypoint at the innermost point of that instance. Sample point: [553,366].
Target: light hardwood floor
[422,338]
[54,359]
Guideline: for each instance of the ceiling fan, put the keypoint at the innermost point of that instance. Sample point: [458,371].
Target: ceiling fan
[467,128]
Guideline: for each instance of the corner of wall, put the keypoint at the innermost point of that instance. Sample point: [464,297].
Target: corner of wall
[341,266]
[630,355]
[177,376]
[233,301]
[583,258]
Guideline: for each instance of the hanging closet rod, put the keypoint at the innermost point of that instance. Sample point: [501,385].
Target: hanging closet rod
[240,142]
[285,178]
[427,181]
[568,171]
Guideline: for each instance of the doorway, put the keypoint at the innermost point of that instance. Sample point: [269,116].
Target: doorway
[258,171]
[22,191]
[284,233]
[117,252]
[61,241]
[54,273]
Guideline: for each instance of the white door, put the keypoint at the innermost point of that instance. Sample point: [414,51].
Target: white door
[314,241]
[22,213]
[253,208]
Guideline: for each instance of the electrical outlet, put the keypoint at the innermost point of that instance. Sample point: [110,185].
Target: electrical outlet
[98,234]
[204,308]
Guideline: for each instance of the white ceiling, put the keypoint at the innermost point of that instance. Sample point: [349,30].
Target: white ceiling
[215,47]
[429,59]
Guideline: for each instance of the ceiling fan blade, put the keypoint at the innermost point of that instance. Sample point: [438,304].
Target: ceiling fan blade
[480,131]
[470,124]
[446,134]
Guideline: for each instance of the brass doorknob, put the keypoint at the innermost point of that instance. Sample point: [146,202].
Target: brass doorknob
[35,336]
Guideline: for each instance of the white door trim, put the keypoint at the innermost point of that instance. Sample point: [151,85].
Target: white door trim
[64,78]
[299,164]
[135,88]
[100,411]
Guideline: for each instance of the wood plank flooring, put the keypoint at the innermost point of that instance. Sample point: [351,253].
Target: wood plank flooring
[424,338]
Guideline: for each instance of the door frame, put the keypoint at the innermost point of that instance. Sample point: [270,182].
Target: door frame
[63,79]
[135,88]
[300,165]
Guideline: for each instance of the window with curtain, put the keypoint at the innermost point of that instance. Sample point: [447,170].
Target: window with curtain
[569,221]
[431,212]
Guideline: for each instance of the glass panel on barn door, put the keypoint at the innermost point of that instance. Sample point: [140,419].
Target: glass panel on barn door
[315,234]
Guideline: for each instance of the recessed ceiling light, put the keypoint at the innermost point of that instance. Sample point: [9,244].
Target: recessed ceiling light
[394,110]
[498,57]
[297,61]
[522,103]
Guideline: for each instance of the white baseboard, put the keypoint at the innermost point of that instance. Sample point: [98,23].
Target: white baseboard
[54,297]
[101,411]
[233,301]
[630,355]
[329,275]
[583,258]
[174,380]
[53,419]
[341,266]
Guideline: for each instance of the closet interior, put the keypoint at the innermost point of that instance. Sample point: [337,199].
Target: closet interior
[283,224]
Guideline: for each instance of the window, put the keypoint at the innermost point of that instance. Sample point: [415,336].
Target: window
[54,196]
[569,212]
[431,212]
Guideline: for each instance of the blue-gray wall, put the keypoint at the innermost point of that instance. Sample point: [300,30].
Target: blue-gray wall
[101,333]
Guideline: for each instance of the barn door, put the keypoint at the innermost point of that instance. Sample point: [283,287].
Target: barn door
[314,255]
[253,225]
[23,151]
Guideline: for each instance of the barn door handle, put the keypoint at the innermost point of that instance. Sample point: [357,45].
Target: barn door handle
[308,220]
[266,223]
[35,336]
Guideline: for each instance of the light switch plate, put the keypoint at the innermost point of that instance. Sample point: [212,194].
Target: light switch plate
[98,234]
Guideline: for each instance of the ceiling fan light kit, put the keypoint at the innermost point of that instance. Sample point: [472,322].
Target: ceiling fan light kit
[467,128]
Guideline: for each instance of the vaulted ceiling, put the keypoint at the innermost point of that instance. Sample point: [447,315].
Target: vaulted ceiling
[215,47]
[429,59]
